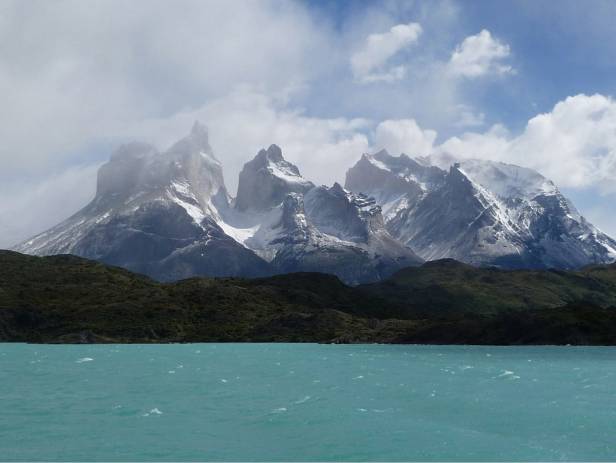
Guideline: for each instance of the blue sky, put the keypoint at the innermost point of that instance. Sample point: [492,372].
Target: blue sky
[529,83]
[557,50]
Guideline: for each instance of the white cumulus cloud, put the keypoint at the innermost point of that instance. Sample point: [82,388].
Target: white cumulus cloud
[479,55]
[369,62]
[404,136]
[468,117]
[574,144]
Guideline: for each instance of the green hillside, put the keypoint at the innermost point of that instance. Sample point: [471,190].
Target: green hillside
[70,299]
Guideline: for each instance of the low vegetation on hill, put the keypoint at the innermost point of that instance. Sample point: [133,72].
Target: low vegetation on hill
[70,299]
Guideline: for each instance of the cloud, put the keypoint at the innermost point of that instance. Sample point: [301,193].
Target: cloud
[391,75]
[38,205]
[245,121]
[115,72]
[479,55]
[239,124]
[367,63]
[574,144]
[601,214]
[493,144]
[269,72]
[467,117]
[404,136]
[112,65]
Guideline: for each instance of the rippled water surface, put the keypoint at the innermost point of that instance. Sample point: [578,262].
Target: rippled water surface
[306,402]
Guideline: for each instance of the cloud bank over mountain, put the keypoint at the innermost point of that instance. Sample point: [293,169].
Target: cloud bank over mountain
[574,143]
[324,84]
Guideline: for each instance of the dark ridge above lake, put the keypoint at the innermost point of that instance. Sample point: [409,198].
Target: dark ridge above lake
[68,299]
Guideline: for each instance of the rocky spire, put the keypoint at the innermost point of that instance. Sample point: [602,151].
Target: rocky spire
[266,180]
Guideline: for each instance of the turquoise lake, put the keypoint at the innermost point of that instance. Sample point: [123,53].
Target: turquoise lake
[306,402]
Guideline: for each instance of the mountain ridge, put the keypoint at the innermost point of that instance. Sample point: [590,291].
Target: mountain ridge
[169,215]
[481,212]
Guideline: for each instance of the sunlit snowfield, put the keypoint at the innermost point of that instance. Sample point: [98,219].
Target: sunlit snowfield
[306,402]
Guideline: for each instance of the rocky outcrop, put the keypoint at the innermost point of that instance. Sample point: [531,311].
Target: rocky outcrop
[266,180]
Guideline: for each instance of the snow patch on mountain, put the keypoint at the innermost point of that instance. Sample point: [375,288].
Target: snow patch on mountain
[193,210]
[508,181]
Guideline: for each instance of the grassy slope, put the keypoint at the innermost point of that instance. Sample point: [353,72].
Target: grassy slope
[449,287]
[66,298]
[69,299]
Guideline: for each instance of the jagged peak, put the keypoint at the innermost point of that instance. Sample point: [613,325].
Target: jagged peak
[196,142]
[138,170]
[457,176]
[272,161]
[382,154]
[267,179]
[271,154]
[337,188]
[199,131]
[507,180]
[379,162]
[388,162]
[455,168]
[358,200]
[504,179]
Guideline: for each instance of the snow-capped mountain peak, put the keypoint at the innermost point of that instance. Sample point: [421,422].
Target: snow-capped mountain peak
[338,212]
[168,214]
[197,141]
[266,180]
[156,213]
[480,212]
[392,180]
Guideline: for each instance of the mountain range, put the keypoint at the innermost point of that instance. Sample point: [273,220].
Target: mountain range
[169,215]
